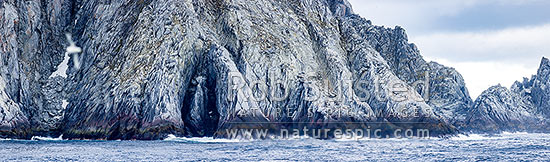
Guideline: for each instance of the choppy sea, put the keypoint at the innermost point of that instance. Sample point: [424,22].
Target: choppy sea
[475,147]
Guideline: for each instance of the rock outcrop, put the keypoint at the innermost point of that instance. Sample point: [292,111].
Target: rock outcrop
[31,46]
[540,88]
[499,109]
[443,88]
[522,108]
[195,68]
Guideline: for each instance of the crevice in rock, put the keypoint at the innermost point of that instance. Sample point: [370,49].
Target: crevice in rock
[199,111]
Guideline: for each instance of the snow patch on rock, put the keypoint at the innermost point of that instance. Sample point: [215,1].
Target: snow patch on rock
[62,68]
[64,104]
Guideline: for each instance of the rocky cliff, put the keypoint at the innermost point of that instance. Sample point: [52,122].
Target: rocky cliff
[523,107]
[540,88]
[499,109]
[443,88]
[196,67]
[31,46]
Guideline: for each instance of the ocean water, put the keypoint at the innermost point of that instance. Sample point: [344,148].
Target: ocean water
[503,147]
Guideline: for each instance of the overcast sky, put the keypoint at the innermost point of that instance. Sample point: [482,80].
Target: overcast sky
[487,41]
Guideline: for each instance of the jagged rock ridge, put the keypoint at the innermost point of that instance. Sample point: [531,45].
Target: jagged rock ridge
[446,89]
[152,68]
[522,108]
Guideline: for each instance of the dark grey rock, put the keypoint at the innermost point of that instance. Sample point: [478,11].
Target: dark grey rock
[447,93]
[49,118]
[31,46]
[138,61]
[540,91]
[499,109]
[153,68]
[522,108]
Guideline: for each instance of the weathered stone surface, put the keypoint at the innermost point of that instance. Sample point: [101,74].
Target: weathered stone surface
[194,68]
[138,61]
[522,108]
[540,91]
[499,109]
[447,92]
[31,46]
[49,118]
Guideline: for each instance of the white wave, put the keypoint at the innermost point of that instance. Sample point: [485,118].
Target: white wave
[302,137]
[172,137]
[514,133]
[39,138]
[462,137]
[354,137]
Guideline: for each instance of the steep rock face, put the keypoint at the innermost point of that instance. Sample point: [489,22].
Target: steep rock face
[369,66]
[445,90]
[540,91]
[31,46]
[195,68]
[522,108]
[13,118]
[524,91]
[535,90]
[136,74]
[499,109]
[448,93]
[202,115]
[48,119]
[138,60]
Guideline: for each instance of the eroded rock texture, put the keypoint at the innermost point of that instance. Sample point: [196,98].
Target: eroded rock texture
[443,88]
[499,109]
[522,108]
[197,67]
[31,46]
